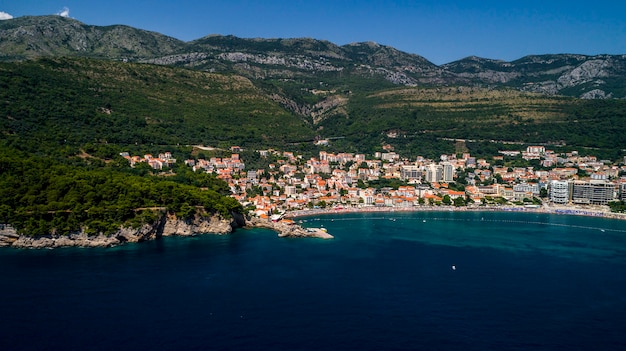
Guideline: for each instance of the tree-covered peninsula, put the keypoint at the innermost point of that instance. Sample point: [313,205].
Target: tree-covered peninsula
[41,196]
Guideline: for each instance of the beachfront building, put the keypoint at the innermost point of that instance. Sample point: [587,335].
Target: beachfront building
[434,173]
[448,172]
[525,191]
[524,187]
[559,192]
[593,192]
[622,192]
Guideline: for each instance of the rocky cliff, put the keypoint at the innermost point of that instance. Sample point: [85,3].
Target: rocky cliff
[167,225]
[587,77]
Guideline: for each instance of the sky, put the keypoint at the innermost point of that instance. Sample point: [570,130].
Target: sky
[441,31]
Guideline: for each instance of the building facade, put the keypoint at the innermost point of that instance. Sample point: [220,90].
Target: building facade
[434,173]
[593,192]
[559,192]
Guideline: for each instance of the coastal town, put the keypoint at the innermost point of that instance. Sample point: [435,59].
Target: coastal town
[343,181]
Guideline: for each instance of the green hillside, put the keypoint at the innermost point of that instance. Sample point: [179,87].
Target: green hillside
[64,121]
[71,102]
[42,195]
[35,36]
[78,101]
[418,120]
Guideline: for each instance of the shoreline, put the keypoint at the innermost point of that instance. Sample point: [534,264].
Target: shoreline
[287,230]
[557,210]
[9,237]
[166,226]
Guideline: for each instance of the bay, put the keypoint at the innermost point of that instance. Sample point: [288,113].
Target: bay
[520,281]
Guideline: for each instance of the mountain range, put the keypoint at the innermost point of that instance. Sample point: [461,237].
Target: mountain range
[61,79]
[590,77]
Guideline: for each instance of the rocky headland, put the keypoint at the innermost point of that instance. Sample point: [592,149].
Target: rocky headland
[288,229]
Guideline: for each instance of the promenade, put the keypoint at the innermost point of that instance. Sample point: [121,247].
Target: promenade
[552,209]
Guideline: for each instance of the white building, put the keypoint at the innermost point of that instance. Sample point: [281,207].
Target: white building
[434,173]
[559,192]
[448,172]
[290,190]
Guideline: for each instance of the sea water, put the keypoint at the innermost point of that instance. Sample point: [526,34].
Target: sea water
[392,281]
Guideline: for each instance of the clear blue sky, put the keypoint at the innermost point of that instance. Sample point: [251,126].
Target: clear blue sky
[441,31]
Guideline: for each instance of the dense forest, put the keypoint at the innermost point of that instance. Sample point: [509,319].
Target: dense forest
[418,121]
[77,101]
[68,102]
[41,195]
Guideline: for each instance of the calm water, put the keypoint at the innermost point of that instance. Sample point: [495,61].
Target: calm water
[522,281]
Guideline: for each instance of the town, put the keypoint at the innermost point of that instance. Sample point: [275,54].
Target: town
[344,180]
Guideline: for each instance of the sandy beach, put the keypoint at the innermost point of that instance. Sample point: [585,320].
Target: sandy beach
[591,211]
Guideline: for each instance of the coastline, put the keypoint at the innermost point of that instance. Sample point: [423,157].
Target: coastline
[217,226]
[552,209]
[168,225]
[287,230]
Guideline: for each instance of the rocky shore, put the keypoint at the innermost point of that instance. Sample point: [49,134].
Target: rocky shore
[288,230]
[167,225]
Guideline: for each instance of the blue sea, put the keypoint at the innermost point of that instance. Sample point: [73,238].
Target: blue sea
[392,281]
